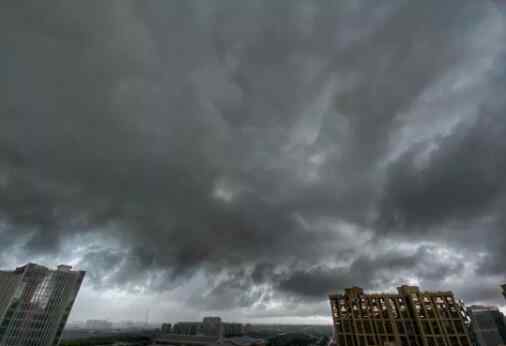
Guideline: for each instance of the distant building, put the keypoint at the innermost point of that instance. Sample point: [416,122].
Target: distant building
[98,325]
[166,328]
[409,318]
[35,303]
[212,326]
[211,331]
[232,330]
[187,328]
[487,326]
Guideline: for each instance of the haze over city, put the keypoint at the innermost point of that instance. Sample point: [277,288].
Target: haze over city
[246,158]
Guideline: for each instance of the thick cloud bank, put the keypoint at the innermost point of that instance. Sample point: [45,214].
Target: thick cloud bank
[278,149]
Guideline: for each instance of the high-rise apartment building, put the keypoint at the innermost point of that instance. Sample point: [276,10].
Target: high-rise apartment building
[487,325]
[35,303]
[409,318]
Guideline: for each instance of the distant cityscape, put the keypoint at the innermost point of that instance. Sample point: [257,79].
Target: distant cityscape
[35,303]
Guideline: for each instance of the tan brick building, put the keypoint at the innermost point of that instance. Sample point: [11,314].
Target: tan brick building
[409,318]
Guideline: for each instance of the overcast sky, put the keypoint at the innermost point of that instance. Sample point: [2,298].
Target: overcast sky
[246,158]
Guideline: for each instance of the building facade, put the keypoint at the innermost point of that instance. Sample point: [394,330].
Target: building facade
[487,326]
[35,303]
[166,328]
[409,318]
[212,326]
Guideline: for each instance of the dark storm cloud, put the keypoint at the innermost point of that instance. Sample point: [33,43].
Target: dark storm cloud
[371,272]
[249,141]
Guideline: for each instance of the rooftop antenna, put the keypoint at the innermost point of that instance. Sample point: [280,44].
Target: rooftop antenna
[147,318]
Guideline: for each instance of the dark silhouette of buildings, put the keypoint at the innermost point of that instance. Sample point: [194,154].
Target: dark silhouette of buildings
[166,328]
[211,332]
[35,303]
[210,326]
[409,318]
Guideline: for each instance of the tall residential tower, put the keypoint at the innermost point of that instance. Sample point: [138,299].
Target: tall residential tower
[409,318]
[35,303]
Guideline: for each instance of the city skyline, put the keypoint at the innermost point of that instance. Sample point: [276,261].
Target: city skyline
[244,159]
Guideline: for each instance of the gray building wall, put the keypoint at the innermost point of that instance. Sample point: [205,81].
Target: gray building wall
[487,325]
[9,281]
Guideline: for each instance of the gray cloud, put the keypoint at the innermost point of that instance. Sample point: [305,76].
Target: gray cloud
[257,143]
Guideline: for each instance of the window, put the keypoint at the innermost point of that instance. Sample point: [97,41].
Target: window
[367,327]
[458,326]
[464,341]
[449,327]
[435,328]
[360,329]
[409,327]
[388,326]
[379,327]
[440,341]
[426,327]
[400,327]
[347,326]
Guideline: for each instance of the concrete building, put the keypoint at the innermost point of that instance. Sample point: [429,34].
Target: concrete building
[212,326]
[98,325]
[166,328]
[35,303]
[232,330]
[187,328]
[211,331]
[409,318]
[487,326]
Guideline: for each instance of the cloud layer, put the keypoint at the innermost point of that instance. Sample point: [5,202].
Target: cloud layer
[278,150]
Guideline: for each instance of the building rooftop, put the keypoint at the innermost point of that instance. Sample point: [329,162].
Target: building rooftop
[402,290]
